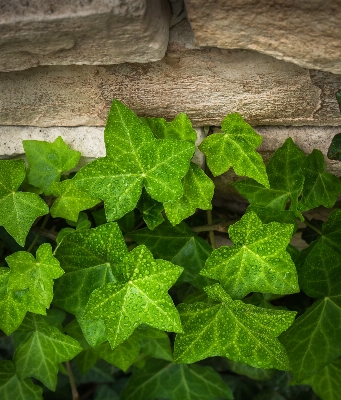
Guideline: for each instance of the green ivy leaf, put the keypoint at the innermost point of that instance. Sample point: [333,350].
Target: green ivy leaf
[134,158]
[180,246]
[313,340]
[258,260]
[161,379]
[47,161]
[18,210]
[36,276]
[154,343]
[257,374]
[283,217]
[11,387]
[327,382]
[232,329]
[180,128]
[334,150]
[47,346]
[320,188]
[13,304]
[151,210]
[140,299]
[198,193]
[70,200]
[235,148]
[285,177]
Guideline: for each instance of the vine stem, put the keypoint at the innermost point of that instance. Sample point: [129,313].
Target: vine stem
[74,391]
[307,222]
[47,216]
[211,232]
[218,227]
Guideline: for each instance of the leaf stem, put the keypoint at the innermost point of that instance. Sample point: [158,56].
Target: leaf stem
[211,232]
[74,391]
[218,227]
[307,222]
[47,216]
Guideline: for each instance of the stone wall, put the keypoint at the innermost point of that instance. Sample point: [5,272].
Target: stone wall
[277,63]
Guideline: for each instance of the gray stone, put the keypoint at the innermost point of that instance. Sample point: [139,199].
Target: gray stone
[307,33]
[63,32]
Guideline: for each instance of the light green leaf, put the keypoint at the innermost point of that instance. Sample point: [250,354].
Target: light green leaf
[161,379]
[11,387]
[47,161]
[232,329]
[18,210]
[141,298]
[235,148]
[13,304]
[180,246]
[198,193]
[258,261]
[89,248]
[320,188]
[44,348]
[283,217]
[285,177]
[327,382]
[36,276]
[180,128]
[134,158]
[70,200]
[151,210]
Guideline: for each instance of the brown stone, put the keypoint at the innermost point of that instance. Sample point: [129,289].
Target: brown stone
[307,33]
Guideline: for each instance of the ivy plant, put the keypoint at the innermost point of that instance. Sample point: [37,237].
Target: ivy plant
[112,285]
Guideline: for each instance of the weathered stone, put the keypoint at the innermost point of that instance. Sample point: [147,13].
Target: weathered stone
[307,33]
[48,32]
[207,85]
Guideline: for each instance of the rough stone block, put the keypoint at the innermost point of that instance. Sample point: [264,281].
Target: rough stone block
[307,33]
[63,32]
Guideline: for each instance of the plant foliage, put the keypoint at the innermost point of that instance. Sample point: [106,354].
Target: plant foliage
[111,283]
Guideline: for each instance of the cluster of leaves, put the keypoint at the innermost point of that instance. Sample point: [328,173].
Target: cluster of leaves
[136,303]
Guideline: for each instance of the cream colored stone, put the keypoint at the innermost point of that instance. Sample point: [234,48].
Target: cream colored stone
[207,85]
[63,32]
[307,33]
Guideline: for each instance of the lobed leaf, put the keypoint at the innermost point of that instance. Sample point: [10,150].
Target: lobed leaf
[258,260]
[134,159]
[18,210]
[47,161]
[11,387]
[232,329]
[42,350]
[235,148]
[161,379]
[180,246]
[198,193]
[151,210]
[140,299]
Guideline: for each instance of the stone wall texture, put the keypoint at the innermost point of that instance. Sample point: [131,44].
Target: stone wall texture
[64,32]
[307,33]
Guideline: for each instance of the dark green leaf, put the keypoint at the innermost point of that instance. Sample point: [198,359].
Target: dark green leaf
[257,262]
[44,348]
[47,161]
[235,148]
[161,379]
[334,151]
[257,374]
[151,210]
[180,246]
[134,158]
[232,329]
[320,188]
[11,387]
